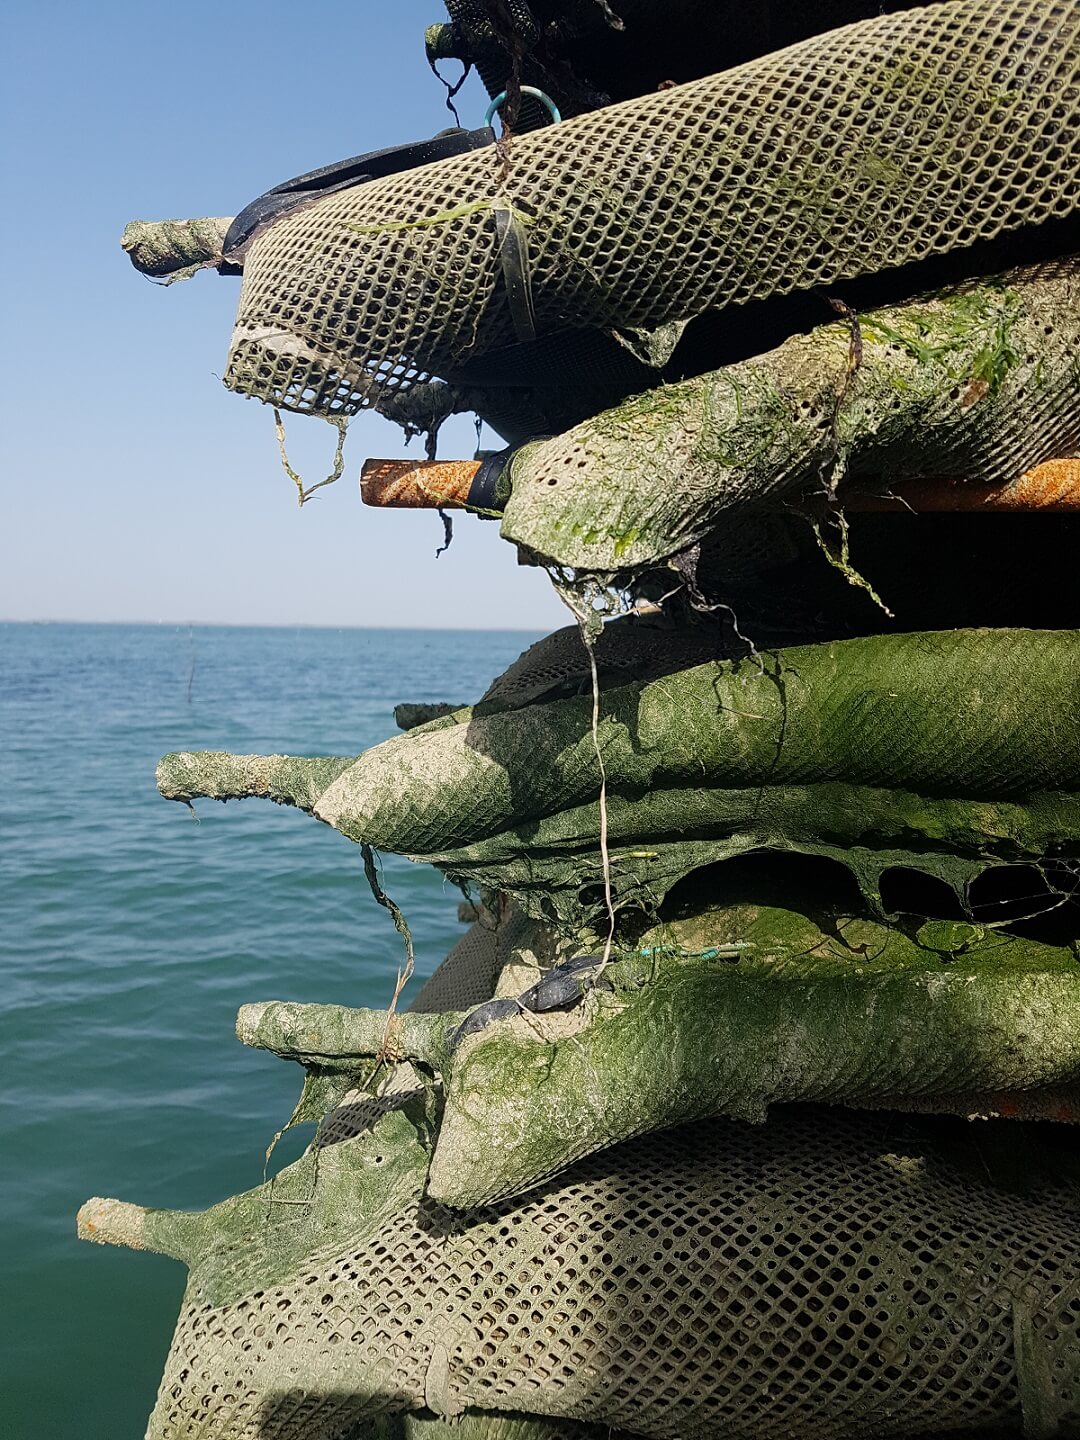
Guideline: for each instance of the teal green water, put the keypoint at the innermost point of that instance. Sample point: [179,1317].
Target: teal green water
[129,936]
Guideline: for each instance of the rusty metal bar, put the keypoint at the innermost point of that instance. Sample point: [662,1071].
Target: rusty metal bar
[417,484]
[1052,486]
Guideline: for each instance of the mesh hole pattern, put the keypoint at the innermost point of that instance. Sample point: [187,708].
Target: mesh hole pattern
[824,1276]
[864,148]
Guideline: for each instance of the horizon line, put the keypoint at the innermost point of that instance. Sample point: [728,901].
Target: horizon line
[278,625]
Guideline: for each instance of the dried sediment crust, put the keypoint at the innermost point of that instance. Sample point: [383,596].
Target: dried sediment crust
[217,775]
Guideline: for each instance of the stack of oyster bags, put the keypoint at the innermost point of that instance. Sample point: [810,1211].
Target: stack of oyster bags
[746,1106]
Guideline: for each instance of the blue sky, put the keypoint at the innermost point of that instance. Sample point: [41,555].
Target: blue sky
[134,486]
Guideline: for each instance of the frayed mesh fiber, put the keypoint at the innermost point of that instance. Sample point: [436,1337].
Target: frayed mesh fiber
[861,149]
[823,1277]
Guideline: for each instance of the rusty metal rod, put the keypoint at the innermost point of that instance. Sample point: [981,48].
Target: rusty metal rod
[417,484]
[1052,486]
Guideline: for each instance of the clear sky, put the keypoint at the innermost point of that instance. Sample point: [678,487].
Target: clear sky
[135,487]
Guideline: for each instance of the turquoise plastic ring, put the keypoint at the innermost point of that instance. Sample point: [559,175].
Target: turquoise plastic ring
[552,108]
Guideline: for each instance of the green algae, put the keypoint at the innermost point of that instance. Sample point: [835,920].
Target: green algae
[945,384]
[266,1236]
[932,339]
[867,1017]
[945,751]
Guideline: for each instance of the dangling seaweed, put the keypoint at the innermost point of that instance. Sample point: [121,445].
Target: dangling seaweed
[341,425]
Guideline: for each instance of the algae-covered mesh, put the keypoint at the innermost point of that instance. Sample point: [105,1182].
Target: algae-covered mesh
[976,384]
[739,1008]
[822,1276]
[943,751]
[865,148]
[633,647]
[670,1040]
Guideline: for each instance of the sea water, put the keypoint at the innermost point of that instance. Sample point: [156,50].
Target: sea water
[131,932]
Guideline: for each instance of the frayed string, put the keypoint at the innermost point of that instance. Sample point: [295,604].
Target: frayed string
[401,925]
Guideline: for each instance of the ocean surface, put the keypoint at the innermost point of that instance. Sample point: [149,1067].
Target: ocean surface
[129,936]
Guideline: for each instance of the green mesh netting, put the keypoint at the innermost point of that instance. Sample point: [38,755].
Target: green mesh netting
[765,1007]
[978,384]
[823,1276]
[861,149]
[943,751]
[692,1036]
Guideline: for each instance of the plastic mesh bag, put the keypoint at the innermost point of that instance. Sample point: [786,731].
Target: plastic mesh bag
[853,151]
[945,751]
[978,384]
[796,1017]
[761,1005]
[824,1276]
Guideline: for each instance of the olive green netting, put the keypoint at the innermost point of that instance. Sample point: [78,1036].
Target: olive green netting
[727,1013]
[796,1017]
[942,751]
[631,647]
[978,384]
[824,1276]
[852,152]
[472,1425]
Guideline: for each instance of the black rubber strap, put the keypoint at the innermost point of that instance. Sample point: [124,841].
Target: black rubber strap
[490,488]
[358,170]
[484,490]
[514,258]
